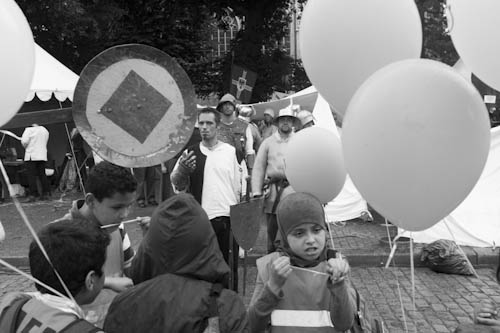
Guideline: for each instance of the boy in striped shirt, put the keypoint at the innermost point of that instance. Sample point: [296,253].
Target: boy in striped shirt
[111,191]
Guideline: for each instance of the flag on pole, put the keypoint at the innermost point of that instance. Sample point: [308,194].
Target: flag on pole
[242,83]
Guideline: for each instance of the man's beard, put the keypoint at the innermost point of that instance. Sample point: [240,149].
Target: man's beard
[287,130]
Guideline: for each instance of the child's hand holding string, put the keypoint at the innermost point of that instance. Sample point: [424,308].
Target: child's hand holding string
[280,270]
[338,268]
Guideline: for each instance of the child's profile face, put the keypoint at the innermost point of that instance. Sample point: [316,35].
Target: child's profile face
[114,209]
[307,240]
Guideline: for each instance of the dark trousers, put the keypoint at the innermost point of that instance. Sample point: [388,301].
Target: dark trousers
[146,183]
[36,170]
[272,231]
[222,228]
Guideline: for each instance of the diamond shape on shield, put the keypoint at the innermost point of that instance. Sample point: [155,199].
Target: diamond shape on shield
[136,106]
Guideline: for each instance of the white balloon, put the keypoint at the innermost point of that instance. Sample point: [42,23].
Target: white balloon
[415,140]
[314,163]
[343,42]
[17,59]
[474,28]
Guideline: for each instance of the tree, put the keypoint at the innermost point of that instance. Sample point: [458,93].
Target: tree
[437,44]
[257,45]
[75,31]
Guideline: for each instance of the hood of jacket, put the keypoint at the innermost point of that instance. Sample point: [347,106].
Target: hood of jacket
[180,241]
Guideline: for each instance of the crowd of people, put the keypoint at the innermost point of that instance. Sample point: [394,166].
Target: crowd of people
[184,275]
[178,281]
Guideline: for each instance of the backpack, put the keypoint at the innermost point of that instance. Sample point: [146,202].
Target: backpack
[9,320]
[213,325]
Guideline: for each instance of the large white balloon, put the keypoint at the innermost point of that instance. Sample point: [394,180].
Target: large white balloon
[415,140]
[17,59]
[343,42]
[314,163]
[474,28]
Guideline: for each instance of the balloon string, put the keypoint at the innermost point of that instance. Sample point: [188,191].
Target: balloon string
[401,303]
[17,270]
[30,228]
[309,270]
[330,232]
[412,270]
[461,251]
[394,246]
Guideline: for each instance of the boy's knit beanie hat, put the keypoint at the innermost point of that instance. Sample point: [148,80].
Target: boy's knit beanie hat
[297,208]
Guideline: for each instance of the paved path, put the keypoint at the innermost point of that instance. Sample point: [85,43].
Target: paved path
[441,301]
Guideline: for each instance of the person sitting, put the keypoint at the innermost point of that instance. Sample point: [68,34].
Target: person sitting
[303,284]
[178,271]
[77,250]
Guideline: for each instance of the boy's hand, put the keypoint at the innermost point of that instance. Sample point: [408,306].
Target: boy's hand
[118,284]
[338,268]
[144,223]
[280,270]
[486,313]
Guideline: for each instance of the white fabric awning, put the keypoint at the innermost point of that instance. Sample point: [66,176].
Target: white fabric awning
[51,77]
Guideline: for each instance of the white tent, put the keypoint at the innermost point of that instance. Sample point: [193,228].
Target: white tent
[51,77]
[476,221]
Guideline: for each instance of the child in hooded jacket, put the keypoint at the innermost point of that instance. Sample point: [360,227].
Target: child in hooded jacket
[302,287]
[179,273]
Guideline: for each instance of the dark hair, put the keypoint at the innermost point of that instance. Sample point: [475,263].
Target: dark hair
[105,179]
[212,111]
[75,247]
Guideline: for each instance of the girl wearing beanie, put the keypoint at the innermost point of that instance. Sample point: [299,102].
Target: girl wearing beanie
[302,287]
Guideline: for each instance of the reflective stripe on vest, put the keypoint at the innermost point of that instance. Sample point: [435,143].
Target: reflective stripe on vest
[301,318]
[306,306]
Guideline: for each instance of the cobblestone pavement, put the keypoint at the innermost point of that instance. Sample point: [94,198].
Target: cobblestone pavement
[442,301]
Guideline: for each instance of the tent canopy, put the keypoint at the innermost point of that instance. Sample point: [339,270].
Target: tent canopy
[51,77]
[305,98]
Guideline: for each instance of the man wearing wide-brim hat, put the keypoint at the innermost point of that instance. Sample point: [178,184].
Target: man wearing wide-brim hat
[235,131]
[306,118]
[267,127]
[268,175]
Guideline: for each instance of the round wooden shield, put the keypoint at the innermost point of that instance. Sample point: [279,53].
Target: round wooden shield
[134,105]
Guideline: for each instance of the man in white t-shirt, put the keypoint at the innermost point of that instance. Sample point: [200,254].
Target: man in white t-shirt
[210,171]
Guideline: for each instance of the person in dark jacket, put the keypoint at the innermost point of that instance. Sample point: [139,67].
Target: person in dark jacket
[178,271]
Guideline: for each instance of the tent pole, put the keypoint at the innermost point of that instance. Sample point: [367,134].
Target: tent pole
[74,158]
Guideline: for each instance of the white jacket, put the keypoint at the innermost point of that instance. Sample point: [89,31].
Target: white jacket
[34,141]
